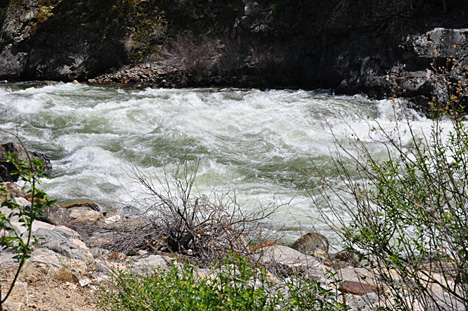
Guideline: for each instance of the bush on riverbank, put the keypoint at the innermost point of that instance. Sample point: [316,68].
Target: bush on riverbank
[233,284]
[408,213]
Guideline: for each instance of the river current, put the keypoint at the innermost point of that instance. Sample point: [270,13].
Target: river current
[261,144]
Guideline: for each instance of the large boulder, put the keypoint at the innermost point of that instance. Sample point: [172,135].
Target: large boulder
[18,151]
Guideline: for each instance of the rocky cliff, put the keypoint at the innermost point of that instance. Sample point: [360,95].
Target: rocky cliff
[408,48]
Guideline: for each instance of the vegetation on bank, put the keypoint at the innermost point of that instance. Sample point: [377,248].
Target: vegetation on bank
[15,239]
[409,213]
[235,283]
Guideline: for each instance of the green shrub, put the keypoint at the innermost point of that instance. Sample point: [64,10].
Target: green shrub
[409,212]
[29,171]
[234,284]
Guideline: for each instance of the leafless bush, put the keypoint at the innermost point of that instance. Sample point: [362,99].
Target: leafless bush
[266,62]
[197,55]
[180,221]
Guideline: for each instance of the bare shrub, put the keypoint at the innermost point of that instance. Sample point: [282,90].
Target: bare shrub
[181,221]
[197,55]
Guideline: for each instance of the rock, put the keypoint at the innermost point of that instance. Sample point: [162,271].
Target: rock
[357,288]
[74,216]
[112,219]
[84,282]
[313,244]
[23,203]
[62,243]
[294,261]
[82,203]
[342,259]
[367,302]
[84,216]
[21,154]
[152,261]
[55,215]
[47,258]
[356,275]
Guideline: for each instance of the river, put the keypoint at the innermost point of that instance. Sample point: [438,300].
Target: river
[262,144]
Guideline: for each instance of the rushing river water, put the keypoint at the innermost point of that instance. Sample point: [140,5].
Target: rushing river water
[262,144]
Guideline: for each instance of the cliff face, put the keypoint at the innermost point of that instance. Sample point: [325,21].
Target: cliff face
[377,47]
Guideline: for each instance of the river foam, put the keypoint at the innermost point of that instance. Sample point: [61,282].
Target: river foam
[260,143]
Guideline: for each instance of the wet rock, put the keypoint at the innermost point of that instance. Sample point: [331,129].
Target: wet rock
[82,203]
[6,168]
[313,244]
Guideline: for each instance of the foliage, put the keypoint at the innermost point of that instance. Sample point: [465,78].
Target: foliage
[16,239]
[234,284]
[409,213]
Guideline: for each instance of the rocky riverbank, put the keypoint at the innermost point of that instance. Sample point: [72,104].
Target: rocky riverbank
[75,256]
[411,49]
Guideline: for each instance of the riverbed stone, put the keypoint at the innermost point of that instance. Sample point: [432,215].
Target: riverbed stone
[366,302]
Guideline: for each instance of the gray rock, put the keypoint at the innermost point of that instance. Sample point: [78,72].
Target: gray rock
[296,262]
[312,243]
[154,261]
[366,302]
[64,242]
[357,275]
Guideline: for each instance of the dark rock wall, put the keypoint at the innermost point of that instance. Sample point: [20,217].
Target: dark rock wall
[381,48]
[377,47]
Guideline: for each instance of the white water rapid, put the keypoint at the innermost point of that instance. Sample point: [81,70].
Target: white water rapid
[260,143]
